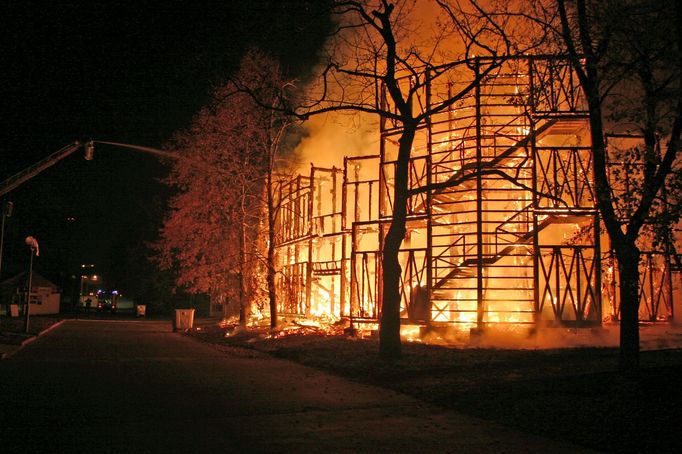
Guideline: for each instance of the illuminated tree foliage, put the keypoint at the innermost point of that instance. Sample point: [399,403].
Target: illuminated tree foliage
[227,155]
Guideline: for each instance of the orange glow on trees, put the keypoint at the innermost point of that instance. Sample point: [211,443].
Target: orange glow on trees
[478,207]
[221,201]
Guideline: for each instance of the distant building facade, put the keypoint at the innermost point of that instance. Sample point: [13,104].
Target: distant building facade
[45,295]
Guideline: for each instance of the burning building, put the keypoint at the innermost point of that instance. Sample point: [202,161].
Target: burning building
[502,227]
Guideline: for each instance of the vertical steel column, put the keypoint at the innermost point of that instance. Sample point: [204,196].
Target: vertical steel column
[296,280]
[311,231]
[344,240]
[379,271]
[479,202]
[579,257]
[382,156]
[534,206]
[354,296]
[536,236]
[332,293]
[597,265]
[669,263]
[429,195]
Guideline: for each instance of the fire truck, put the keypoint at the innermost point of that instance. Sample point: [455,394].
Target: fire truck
[107,300]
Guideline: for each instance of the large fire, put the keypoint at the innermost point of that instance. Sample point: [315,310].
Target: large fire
[516,247]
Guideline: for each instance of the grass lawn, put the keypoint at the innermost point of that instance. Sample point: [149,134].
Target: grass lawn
[572,394]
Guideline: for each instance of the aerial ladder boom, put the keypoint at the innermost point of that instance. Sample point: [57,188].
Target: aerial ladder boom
[30,172]
[16,180]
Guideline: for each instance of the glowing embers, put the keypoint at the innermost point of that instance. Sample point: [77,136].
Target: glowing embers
[307,327]
[411,333]
[324,298]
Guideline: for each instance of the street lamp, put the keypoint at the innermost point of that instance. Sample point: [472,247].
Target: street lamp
[32,243]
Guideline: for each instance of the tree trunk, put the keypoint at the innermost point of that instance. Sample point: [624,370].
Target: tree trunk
[628,265]
[627,253]
[389,331]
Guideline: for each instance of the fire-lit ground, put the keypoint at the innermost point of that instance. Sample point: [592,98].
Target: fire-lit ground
[134,386]
[653,336]
[571,394]
[658,337]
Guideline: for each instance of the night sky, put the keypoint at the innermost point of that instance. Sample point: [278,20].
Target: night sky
[131,72]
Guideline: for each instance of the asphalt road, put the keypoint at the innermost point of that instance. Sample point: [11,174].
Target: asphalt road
[128,387]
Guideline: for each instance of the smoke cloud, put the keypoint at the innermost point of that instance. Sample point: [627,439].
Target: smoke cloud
[335,135]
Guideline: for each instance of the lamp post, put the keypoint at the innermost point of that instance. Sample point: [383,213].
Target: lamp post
[32,243]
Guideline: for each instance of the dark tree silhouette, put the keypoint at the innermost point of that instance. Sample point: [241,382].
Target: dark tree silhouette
[376,48]
[628,51]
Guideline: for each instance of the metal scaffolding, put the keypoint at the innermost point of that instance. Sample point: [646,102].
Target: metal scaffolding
[502,225]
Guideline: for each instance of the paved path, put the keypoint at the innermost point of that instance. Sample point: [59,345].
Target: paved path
[125,387]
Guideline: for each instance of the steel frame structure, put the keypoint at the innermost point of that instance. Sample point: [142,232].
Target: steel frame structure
[502,225]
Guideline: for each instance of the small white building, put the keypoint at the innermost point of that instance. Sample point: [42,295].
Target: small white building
[45,296]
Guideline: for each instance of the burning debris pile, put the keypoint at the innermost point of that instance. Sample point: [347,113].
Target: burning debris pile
[230,328]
